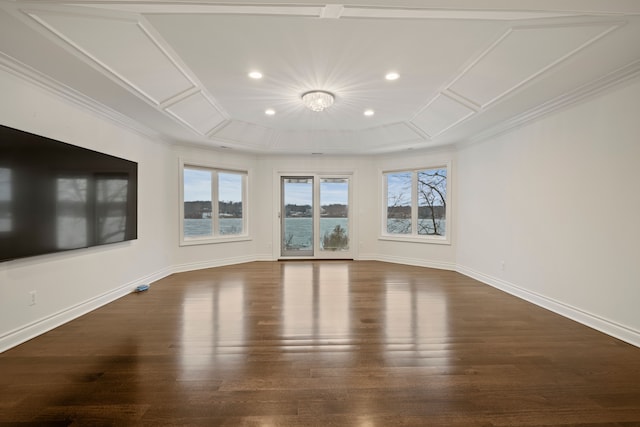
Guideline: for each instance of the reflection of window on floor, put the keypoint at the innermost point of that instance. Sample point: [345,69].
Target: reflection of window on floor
[297,300]
[333,300]
[213,323]
[229,311]
[6,220]
[416,313]
[316,301]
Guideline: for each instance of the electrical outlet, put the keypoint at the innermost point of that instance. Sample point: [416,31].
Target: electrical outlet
[33,297]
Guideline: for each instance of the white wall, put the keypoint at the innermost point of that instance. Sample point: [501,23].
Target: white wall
[559,202]
[71,283]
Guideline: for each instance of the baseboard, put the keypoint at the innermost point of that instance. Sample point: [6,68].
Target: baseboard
[440,265]
[40,326]
[609,327]
[192,266]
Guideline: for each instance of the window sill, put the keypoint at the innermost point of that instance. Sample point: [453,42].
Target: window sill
[416,239]
[214,240]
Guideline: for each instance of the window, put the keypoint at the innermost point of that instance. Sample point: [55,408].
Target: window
[213,204]
[415,204]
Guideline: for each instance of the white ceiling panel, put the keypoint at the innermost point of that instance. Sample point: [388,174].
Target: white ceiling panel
[197,112]
[436,13]
[521,55]
[440,115]
[243,133]
[210,8]
[344,141]
[388,134]
[123,49]
[179,69]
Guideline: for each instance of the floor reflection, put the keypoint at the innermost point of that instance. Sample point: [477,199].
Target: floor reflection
[213,327]
[333,300]
[298,301]
[416,318]
[316,309]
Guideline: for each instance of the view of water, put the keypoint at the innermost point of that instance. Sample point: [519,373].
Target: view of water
[425,226]
[297,230]
[202,227]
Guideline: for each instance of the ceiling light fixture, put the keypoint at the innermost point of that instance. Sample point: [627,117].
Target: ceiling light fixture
[317,100]
[392,76]
[255,75]
[270,111]
[369,113]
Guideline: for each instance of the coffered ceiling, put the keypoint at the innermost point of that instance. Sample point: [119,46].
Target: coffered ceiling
[178,71]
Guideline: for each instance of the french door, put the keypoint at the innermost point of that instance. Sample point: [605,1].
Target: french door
[315,218]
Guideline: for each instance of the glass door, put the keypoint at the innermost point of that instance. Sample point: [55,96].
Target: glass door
[315,220]
[333,236]
[297,216]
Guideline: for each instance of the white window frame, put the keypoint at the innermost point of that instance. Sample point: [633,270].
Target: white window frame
[215,237]
[414,236]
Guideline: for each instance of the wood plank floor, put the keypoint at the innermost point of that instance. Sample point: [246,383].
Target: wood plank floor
[338,343]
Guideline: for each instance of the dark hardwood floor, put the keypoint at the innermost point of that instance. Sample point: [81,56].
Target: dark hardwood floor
[333,343]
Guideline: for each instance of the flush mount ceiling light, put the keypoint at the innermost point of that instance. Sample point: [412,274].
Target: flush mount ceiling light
[270,112]
[369,113]
[392,76]
[317,100]
[255,75]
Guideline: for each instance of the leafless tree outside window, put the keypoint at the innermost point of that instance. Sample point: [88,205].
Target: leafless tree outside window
[399,200]
[422,193]
[432,201]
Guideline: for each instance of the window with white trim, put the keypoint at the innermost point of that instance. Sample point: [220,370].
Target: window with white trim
[214,204]
[415,204]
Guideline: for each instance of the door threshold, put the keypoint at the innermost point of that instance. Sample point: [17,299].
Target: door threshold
[314,259]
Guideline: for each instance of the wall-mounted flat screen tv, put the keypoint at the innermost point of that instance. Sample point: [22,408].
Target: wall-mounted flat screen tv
[56,196]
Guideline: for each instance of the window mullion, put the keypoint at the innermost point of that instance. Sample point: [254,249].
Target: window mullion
[215,204]
[414,203]
[245,197]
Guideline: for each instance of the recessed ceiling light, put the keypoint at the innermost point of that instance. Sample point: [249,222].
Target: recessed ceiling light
[255,75]
[392,76]
[270,111]
[369,112]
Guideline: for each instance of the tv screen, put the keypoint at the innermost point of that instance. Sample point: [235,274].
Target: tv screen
[57,197]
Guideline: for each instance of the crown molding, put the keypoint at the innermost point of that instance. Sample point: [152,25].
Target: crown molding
[36,78]
[589,90]
[345,10]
